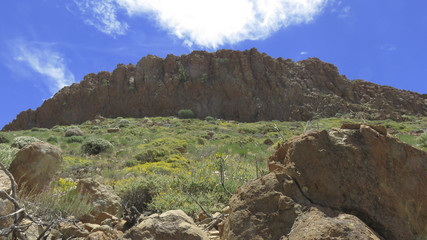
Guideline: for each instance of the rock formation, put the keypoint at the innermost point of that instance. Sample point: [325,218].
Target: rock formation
[105,201]
[243,86]
[173,224]
[35,165]
[6,206]
[352,183]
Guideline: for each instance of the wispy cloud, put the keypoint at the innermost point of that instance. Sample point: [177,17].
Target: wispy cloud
[344,12]
[40,58]
[339,9]
[102,14]
[211,23]
[303,53]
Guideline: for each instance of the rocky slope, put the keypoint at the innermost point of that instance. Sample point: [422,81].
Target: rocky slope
[357,182]
[243,86]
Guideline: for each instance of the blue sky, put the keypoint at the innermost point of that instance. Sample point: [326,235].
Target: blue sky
[48,44]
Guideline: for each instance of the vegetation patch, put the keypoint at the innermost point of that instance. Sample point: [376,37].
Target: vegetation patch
[95,146]
[185,113]
[22,141]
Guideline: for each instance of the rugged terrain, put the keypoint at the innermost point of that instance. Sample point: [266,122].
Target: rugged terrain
[108,176]
[244,86]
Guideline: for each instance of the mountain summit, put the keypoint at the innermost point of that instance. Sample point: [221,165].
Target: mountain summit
[239,85]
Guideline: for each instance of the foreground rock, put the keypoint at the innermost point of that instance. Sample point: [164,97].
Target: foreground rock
[106,202]
[174,224]
[339,184]
[244,86]
[6,206]
[35,165]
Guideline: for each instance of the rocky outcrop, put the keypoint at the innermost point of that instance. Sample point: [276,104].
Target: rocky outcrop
[243,86]
[35,165]
[106,203]
[357,183]
[173,224]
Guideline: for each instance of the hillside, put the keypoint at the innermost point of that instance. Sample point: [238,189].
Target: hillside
[164,163]
[243,86]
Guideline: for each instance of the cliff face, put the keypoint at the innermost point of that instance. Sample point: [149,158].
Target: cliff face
[243,86]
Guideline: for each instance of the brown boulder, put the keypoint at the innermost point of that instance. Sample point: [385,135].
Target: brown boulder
[35,165]
[106,202]
[356,183]
[173,224]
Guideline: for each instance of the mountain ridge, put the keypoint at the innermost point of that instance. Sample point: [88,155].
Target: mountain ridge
[244,86]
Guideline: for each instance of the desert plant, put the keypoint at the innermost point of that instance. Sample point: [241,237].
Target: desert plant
[73,131]
[7,154]
[52,139]
[422,140]
[95,146]
[138,192]
[123,123]
[22,141]
[182,76]
[209,118]
[60,199]
[74,139]
[185,113]
[3,139]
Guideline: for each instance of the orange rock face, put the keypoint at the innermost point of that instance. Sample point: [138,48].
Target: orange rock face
[244,86]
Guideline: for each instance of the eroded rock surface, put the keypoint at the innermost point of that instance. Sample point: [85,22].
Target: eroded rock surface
[244,86]
[35,165]
[6,206]
[105,201]
[357,183]
[173,224]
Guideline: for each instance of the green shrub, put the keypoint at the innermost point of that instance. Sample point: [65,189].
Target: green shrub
[209,118]
[95,146]
[123,123]
[22,141]
[154,154]
[59,199]
[7,154]
[75,139]
[139,193]
[3,139]
[182,74]
[52,139]
[422,141]
[185,113]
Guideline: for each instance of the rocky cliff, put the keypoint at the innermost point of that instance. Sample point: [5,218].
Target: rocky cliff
[243,86]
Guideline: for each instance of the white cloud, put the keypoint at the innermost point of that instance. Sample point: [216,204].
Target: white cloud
[206,23]
[39,57]
[303,53]
[211,23]
[102,14]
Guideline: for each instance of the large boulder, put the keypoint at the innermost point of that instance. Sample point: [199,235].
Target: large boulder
[173,224]
[35,165]
[357,183]
[105,201]
[6,206]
